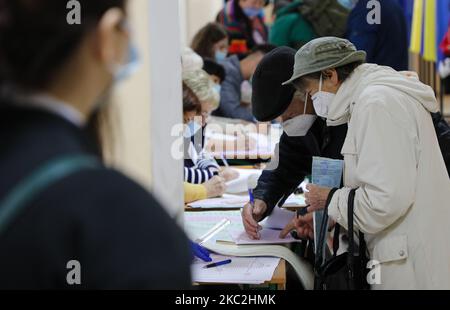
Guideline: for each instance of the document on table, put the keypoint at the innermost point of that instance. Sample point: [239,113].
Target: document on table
[227,201]
[326,173]
[242,270]
[268,236]
[197,223]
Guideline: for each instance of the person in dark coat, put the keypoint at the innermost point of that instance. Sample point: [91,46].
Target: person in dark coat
[386,42]
[91,227]
[304,136]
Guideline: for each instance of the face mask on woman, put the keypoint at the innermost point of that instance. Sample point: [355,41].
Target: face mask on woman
[322,100]
[220,56]
[123,72]
[253,12]
[191,129]
[299,125]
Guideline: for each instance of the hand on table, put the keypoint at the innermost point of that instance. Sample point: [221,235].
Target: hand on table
[215,187]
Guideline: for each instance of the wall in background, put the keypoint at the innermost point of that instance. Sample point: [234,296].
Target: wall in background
[194,14]
[149,104]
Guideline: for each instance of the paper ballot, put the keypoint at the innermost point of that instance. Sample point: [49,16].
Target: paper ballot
[278,219]
[270,234]
[326,173]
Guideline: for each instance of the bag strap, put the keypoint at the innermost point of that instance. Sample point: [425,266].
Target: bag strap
[323,230]
[337,231]
[43,177]
[351,240]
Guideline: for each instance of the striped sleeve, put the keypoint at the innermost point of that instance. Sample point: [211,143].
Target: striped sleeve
[196,175]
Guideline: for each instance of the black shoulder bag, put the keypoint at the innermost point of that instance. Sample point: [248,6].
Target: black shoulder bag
[346,271]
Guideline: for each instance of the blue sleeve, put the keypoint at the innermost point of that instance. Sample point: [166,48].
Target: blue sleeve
[361,33]
[230,100]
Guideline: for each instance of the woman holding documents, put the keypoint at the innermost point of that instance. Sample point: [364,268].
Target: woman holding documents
[392,158]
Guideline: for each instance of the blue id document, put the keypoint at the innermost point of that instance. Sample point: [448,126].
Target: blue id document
[326,172]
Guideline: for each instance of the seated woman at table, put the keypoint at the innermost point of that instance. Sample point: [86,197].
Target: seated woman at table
[200,166]
[214,186]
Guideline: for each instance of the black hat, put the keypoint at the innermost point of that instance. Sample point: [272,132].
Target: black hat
[271,99]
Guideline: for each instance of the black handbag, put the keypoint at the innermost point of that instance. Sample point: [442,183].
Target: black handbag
[347,271]
[443,134]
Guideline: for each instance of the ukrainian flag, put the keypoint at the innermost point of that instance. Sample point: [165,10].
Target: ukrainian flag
[430,22]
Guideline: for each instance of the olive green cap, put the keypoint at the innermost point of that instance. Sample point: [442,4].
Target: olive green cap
[324,53]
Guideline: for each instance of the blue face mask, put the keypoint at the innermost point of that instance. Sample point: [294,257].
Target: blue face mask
[126,70]
[220,56]
[253,12]
[192,128]
[217,88]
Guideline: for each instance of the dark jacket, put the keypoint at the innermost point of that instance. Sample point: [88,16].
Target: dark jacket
[295,160]
[230,94]
[386,44]
[118,232]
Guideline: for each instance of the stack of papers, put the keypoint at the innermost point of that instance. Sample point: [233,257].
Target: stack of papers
[242,270]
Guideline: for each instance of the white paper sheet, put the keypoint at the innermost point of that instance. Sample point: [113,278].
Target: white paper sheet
[295,201]
[242,270]
[240,185]
[227,201]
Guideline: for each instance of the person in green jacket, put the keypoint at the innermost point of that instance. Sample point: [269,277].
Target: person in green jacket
[290,28]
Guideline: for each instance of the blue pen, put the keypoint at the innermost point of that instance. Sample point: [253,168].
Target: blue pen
[224,262]
[252,199]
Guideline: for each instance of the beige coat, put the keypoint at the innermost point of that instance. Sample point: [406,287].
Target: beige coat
[392,155]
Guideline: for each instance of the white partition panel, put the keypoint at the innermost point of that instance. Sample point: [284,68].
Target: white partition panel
[165,102]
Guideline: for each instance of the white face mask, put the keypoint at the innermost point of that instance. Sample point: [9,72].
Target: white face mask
[322,101]
[299,125]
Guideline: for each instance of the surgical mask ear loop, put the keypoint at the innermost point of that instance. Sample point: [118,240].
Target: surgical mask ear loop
[320,83]
[306,103]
